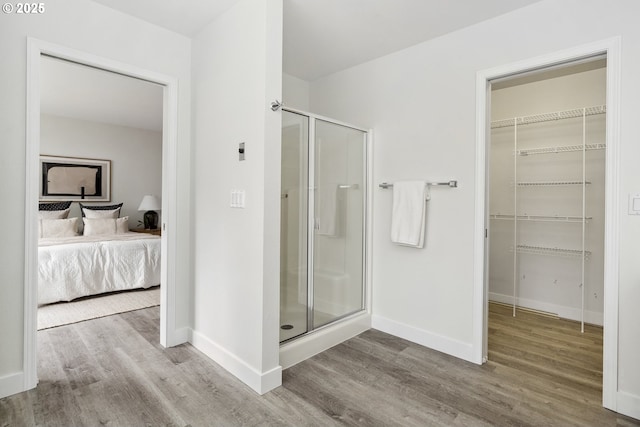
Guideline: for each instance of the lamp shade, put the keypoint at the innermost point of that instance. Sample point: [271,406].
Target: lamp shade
[150,203]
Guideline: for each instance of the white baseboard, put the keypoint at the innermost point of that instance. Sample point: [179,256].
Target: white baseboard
[261,382]
[571,313]
[323,339]
[628,404]
[437,342]
[11,384]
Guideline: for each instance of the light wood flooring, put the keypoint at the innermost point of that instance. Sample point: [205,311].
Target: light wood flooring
[550,349]
[112,371]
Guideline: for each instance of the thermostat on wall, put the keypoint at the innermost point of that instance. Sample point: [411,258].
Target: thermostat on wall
[634,204]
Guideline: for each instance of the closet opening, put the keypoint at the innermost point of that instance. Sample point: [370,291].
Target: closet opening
[545,221]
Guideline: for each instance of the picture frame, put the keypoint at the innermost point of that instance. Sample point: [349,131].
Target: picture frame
[74,178]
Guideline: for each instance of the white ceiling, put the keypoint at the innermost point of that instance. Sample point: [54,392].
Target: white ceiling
[320,37]
[186,17]
[325,36]
[81,92]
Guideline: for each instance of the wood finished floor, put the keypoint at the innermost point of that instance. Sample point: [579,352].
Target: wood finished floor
[113,372]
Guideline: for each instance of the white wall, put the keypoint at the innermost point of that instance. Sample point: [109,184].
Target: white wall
[237,73]
[99,30]
[421,103]
[135,155]
[295,92]
[549,283]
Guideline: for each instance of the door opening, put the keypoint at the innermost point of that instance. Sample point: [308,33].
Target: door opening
[101,153]
[35,50]
[546,216]
[611,48]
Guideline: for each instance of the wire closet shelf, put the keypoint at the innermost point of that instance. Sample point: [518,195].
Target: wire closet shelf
[518,248]
[544,250]
[545,218]
[548,117]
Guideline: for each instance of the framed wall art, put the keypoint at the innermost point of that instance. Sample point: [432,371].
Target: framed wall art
[71,178]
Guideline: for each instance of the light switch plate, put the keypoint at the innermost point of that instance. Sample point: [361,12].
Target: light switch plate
[634,204]
[237,198]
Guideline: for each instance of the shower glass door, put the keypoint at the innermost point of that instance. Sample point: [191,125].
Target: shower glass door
[338,241]
[294,198]
[322,223]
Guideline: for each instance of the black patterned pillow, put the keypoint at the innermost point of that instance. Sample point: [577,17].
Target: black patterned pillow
[101,208]
[56,206]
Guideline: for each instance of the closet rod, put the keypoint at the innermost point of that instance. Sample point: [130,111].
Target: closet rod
[452,184]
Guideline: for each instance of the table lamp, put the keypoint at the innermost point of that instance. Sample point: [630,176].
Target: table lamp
[150,204]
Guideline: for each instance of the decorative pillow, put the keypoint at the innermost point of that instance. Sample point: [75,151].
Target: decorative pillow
[101,208]
[105,226]
[54,214]
[59,227]
[92,213]
[56,206]
[99,226]
[122,225]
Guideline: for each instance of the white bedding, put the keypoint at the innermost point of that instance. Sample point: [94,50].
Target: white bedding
[72,267]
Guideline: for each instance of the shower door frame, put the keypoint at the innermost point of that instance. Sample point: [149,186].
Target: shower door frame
[366,225]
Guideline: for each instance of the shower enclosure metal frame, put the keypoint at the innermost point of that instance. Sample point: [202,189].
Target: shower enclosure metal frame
[311,212]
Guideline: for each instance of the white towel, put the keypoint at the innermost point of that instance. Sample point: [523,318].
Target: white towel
[327,209]
[408,216]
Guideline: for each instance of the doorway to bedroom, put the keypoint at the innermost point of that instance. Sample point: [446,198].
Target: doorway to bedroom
[99,245]
[164,315]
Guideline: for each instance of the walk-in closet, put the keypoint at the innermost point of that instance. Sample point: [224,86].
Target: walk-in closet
[547,193]
[546,214]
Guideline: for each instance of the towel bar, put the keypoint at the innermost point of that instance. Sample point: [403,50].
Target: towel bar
[452,184]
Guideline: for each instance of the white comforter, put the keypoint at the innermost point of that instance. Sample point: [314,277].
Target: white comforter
[72,267]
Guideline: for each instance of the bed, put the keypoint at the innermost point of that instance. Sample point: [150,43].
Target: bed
[77,266]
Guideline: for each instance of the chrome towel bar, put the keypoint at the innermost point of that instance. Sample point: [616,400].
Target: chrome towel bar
[452,184]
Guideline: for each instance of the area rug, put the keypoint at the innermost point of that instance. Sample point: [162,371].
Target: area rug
[52,315]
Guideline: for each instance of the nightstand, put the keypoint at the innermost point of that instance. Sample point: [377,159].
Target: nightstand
[155,232]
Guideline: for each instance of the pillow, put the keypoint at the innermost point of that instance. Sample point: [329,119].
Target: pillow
[101,208]
[105,226]
[54,214]
[122,225]
[99,226]
[58,227]
[92,213]
[57,206]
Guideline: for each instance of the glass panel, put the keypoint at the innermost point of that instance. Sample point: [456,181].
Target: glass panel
[294,197]
[338,255]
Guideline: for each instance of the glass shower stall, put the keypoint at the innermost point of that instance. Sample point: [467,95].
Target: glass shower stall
[323,211]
